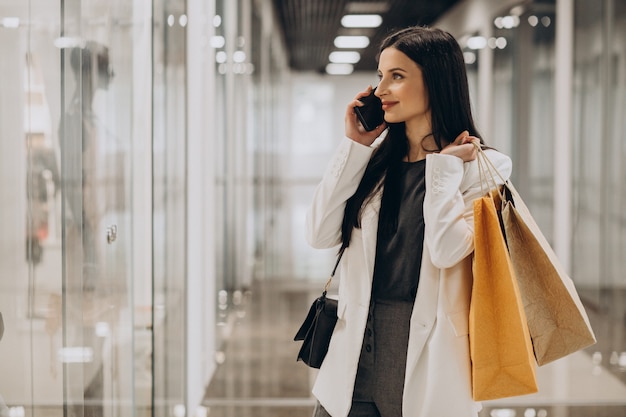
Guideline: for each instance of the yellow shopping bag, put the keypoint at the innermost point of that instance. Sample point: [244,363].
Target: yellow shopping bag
[503,364]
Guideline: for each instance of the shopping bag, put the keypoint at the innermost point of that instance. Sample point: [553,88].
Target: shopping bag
[500,348]
[557,320]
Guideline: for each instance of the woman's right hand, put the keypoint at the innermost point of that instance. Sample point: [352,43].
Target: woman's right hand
[354,129]
[463,147]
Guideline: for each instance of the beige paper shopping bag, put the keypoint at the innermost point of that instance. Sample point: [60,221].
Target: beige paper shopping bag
[557,321]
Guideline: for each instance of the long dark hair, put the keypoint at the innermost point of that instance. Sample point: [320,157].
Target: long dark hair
[441,60]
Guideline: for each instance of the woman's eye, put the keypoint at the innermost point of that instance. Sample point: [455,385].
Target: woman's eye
[396,76]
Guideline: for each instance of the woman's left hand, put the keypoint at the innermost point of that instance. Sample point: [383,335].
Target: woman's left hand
[462,147]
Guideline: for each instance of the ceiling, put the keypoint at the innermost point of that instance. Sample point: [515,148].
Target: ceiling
[310,26]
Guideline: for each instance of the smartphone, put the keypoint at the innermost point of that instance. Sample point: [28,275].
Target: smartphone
[371,114]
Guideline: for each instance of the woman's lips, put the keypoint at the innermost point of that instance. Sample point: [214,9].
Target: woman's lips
[388,104]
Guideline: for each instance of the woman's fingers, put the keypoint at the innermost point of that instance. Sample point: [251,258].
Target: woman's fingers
[460,139]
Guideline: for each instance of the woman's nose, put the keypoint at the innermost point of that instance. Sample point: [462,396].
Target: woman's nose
[379,90]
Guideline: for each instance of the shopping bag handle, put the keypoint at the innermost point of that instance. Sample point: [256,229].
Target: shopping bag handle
[487,172]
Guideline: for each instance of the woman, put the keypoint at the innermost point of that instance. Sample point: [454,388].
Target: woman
[401,206]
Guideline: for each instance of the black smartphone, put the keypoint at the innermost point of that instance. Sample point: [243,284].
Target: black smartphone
[371,114]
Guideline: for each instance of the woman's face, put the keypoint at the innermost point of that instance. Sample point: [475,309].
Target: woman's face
[401,89]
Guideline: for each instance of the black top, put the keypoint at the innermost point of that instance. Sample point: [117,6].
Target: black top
[399,255]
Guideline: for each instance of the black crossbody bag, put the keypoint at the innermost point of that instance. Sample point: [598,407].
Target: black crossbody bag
[317,328]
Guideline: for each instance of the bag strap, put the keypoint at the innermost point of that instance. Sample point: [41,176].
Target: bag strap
[332,274]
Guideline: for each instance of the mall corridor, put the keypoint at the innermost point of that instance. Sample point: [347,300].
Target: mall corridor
[158,158]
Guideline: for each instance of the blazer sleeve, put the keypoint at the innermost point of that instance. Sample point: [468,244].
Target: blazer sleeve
[339,182]
[451,188]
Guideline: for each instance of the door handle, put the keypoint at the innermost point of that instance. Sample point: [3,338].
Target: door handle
[111,233]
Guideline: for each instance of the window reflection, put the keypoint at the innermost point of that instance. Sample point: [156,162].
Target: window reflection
[43,178]
[81,136]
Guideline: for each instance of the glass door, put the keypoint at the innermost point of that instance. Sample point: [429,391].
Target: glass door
[101,96]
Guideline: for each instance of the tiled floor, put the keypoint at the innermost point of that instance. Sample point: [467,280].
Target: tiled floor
[260,377]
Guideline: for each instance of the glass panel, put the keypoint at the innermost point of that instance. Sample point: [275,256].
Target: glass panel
[30,212]
[169,210]
[232,86]
[221,237]
[232,150]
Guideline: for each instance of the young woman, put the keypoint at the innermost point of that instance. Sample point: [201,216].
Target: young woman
[401,206]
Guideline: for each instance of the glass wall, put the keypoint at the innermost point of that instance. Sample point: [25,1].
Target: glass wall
[269,140]
[136,185]
[74,106]
[599,170]
[523,109]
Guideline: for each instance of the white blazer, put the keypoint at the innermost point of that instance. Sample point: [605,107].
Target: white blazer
[438,373]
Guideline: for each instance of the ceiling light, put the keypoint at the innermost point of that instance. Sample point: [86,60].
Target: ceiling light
[69,42]
[239,56]
[344,57]
[78,354]
[469,57]
[503,412]
[367,7]
[476,42]
[217,41]
[361,20]
[339,69]
[10,22]
[221,57]
[351,41]
[507,22]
